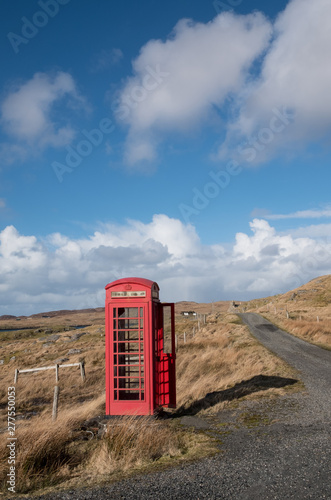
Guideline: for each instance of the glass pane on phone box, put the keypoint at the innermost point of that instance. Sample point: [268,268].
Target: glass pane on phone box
[167,345]
[128,347]
[128,312]
[127,323]
[128,335]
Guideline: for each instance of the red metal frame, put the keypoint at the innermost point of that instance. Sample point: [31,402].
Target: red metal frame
[140,376]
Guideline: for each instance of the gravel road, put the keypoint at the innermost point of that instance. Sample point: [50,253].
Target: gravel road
[270,449]
[313,363]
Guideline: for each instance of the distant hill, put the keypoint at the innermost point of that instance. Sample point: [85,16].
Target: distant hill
[67,312]
[202,307]
[7,317]
[315,293]
[52,318]
[304,311]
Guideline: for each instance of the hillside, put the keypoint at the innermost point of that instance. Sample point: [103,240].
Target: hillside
[54,319]
[304,311]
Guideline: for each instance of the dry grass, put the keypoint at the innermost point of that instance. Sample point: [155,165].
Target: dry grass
[134,442]
[312,331]
[220,355]
[44,455]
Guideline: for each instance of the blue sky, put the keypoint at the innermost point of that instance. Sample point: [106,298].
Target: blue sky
[185,142]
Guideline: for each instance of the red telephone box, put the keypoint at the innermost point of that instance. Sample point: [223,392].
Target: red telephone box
[140,348]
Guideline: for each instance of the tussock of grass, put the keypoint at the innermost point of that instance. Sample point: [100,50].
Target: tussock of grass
[132,442]
[43,455]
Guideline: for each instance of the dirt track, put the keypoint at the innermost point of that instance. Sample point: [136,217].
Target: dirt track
[313,363]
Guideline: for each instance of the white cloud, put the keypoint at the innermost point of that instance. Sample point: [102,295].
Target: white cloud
[316,231]
[28,116]
[295,76]
[179,82]
[2,203]
[301,214]
[59,272]
[10,153]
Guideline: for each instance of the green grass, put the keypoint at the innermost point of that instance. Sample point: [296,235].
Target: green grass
[251,420]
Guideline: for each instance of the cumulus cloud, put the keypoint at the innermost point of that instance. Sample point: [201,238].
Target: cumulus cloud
[58,272]
[180,81]
[316,231]
[295,78]
[27,113]
[270,82]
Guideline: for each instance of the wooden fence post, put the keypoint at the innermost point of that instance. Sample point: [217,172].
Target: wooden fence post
[82,370]
[56,373]
[55,402]
[16,376]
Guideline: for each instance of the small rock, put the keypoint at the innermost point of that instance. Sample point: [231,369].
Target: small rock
[76,336]
[61,360]
[2,361]
[53,338]
[74,351]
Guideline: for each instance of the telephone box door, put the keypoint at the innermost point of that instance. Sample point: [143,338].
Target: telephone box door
[165,356]
[129,364]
